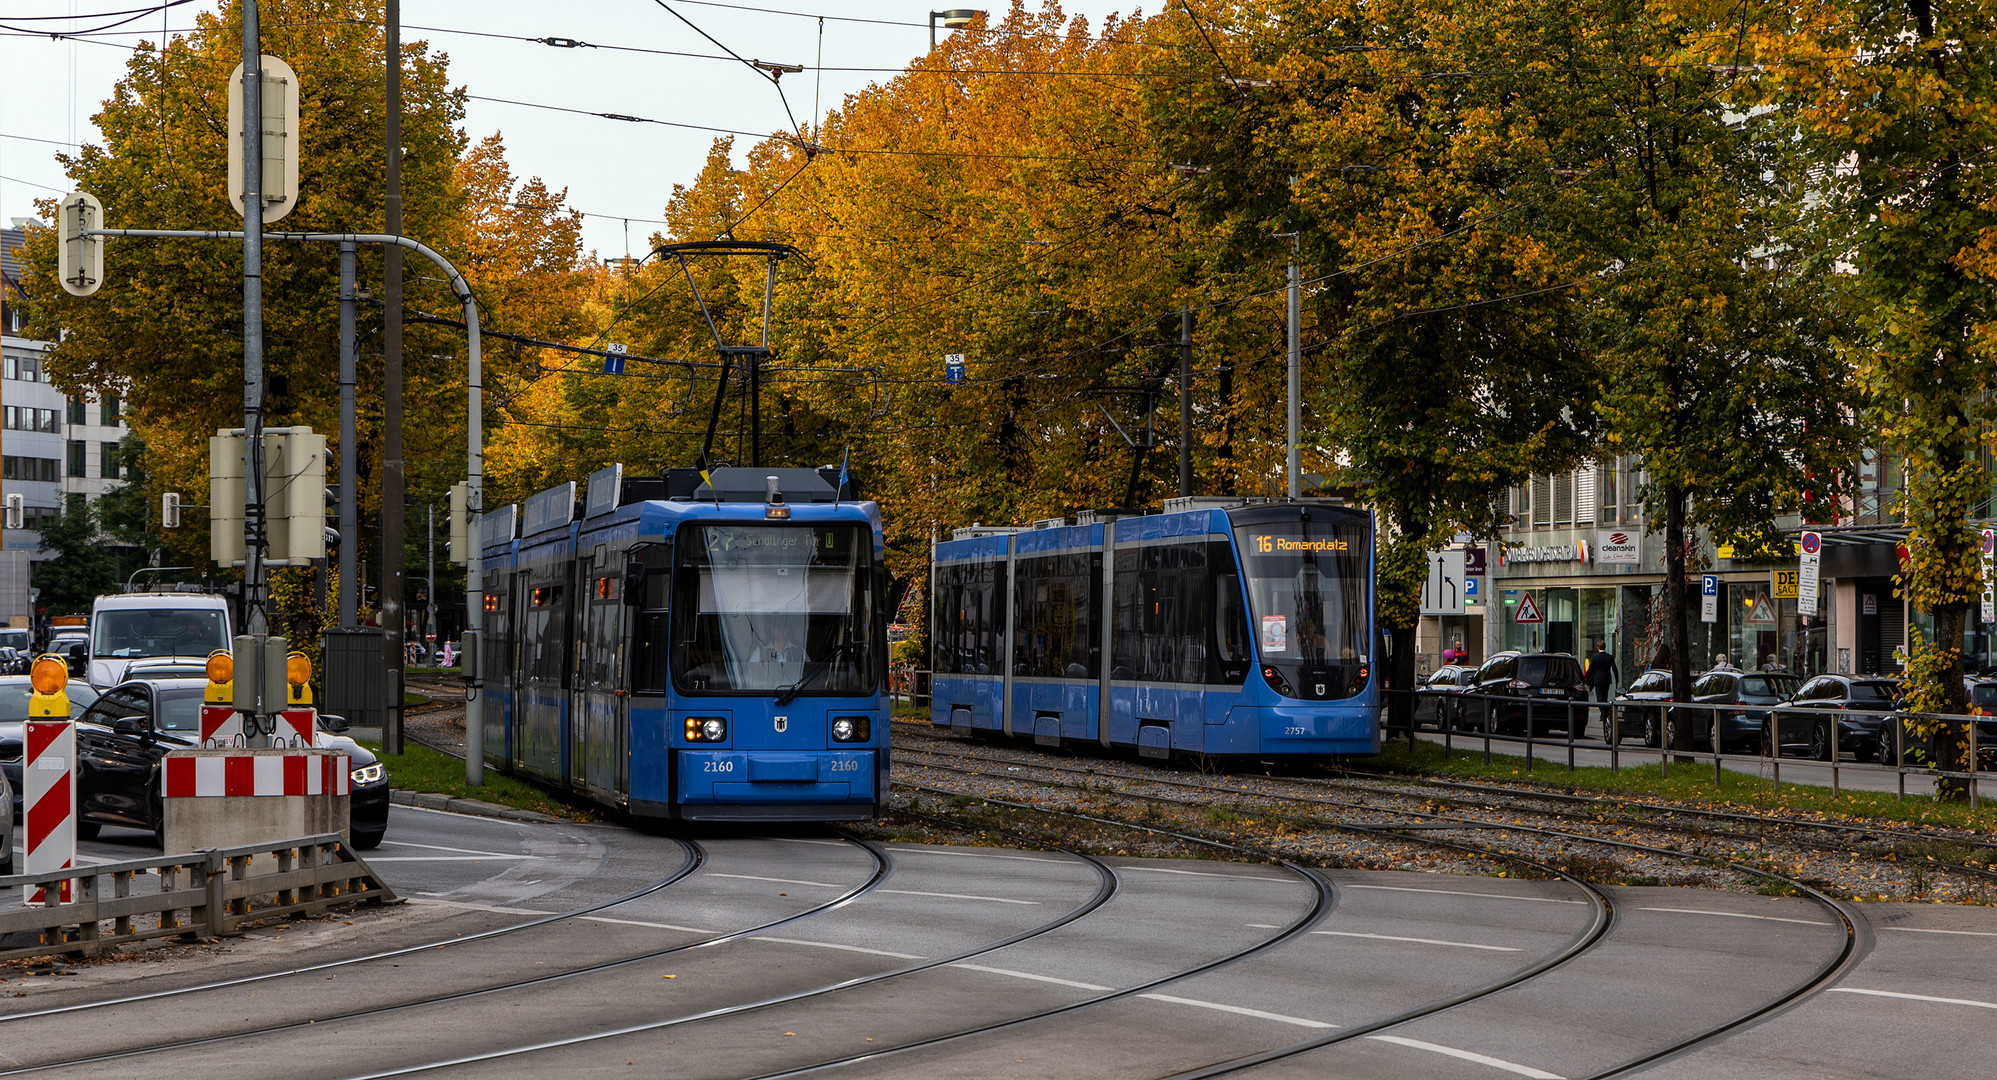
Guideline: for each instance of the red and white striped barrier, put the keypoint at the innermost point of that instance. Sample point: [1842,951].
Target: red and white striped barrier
[221,725]
[48,794]
[250,773]
[300,727]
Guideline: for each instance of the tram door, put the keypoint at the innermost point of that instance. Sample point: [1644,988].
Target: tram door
[601,702]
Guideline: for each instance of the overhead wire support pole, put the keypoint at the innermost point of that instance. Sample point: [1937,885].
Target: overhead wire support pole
[349,452]
[1294,467]
[394,480]
[256,621]
[1185,400]
[474,432]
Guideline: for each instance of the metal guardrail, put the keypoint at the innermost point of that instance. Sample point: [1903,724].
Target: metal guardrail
[201,894]
[1770,755]
[910,684]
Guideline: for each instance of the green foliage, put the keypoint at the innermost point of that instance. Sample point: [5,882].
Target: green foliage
[1401,569]
[83,567]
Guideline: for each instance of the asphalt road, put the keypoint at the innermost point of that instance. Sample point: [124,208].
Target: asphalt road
[1160,966]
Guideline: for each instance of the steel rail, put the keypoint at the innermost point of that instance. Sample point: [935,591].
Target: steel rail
[1106,889]
[695,856]
[880,873]
[1847,955]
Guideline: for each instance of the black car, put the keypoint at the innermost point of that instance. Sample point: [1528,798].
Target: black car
[1740,729]
[1514,688]
[1916,748]
[122,738]
[7,816]
[1436,696]
[15,691]
[1858,705]
[1637,711]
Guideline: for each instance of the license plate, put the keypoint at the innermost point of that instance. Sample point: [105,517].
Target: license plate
[1550,692]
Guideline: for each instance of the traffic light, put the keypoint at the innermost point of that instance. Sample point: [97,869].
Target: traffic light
[79,258]
[460,544]
[280,138]
[294,495]
[225,498]
[169,510]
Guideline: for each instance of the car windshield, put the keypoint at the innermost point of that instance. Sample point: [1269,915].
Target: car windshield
[1984,696]
[136,633]
[15,639]
[1872,691]
[14,700]
[179,710]
[1767,689]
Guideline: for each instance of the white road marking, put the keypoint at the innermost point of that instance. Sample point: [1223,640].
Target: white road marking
[431,898]
[1734,915]
[372,859]
[1258,1013]
[1924,930]
[1915,997]
[1465,1055]
[802,840]
[1418,940]
[974,855]
[1207,873]
[960,896]
[651,925]
[841,948]
[777,880]
[456,850]
[1454,892]
[1030,975]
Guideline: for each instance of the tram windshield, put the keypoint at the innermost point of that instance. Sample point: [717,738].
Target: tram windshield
[761,608]
[1307,591]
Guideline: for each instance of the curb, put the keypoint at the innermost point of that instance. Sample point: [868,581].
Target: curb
[430,800]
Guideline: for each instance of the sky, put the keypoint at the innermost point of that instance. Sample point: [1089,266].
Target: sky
[619,173]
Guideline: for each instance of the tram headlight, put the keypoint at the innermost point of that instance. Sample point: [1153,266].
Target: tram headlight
[706,729]
[850,729]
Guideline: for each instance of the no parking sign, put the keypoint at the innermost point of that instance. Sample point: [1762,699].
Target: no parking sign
[1806,577]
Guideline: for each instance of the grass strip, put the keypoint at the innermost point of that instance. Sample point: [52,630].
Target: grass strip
[1690,784]
[420,768]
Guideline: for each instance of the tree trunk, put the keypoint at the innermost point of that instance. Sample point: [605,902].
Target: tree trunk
[1674,608]
[1951,742]
[1401,702]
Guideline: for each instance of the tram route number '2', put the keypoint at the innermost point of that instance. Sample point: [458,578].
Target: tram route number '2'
[1267,545]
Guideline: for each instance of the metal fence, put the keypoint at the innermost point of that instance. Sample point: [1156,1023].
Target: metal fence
[1896,750]
[202,894]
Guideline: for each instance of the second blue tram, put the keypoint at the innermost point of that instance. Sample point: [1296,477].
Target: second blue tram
[1217,628]
[691,650]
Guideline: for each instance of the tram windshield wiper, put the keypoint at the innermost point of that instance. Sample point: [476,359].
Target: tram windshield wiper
[790,692]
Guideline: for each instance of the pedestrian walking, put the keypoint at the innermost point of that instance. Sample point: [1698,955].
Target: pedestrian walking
[1600,674]
[1722,663]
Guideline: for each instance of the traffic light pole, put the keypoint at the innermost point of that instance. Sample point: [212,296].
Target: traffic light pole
[255,621]
[474,442]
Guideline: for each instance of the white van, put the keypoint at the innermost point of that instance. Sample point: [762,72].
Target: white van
[172,631]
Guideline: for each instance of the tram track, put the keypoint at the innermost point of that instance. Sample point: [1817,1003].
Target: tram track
[1824,974]
[697,858]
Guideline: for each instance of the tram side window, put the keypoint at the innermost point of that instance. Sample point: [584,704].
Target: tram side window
[970,618]
[1177,615]
[602,644]
[544,638]
[498,632]
[651,626]
[1056,634]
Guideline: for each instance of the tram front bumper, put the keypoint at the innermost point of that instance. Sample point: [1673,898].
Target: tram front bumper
[829,777]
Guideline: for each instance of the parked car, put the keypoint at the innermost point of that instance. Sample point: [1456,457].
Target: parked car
[1858,705]
[12,661]
[6,826]
[74,648]
[123,736]
[1514,689]
[1436,697]
[15,690]
[1637,712]
[1740,729]
[1917,749]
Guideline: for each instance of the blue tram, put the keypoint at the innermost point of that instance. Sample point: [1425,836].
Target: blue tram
[1221,627]
[691,650]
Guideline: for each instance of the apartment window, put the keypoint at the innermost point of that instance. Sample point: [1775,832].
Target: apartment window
[47,418]
[1584,496]
[13,367]
[30,368]
[13,418]
[108,460]
[28,468]
[1607,477]
[79,452]
[76,414]
[1542,501]
[109,414]
[1563,499]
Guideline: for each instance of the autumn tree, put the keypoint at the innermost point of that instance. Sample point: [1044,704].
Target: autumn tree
[1898,99]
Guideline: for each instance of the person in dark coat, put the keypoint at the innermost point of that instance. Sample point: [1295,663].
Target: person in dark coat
[1602,676]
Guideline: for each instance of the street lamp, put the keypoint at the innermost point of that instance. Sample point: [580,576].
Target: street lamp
[953,19]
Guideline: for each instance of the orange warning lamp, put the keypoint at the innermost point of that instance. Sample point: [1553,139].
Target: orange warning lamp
[221,678]
[50,679]
[298,674]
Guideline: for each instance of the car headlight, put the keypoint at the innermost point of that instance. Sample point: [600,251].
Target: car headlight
[706,729]
[368,774]
[850,729]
